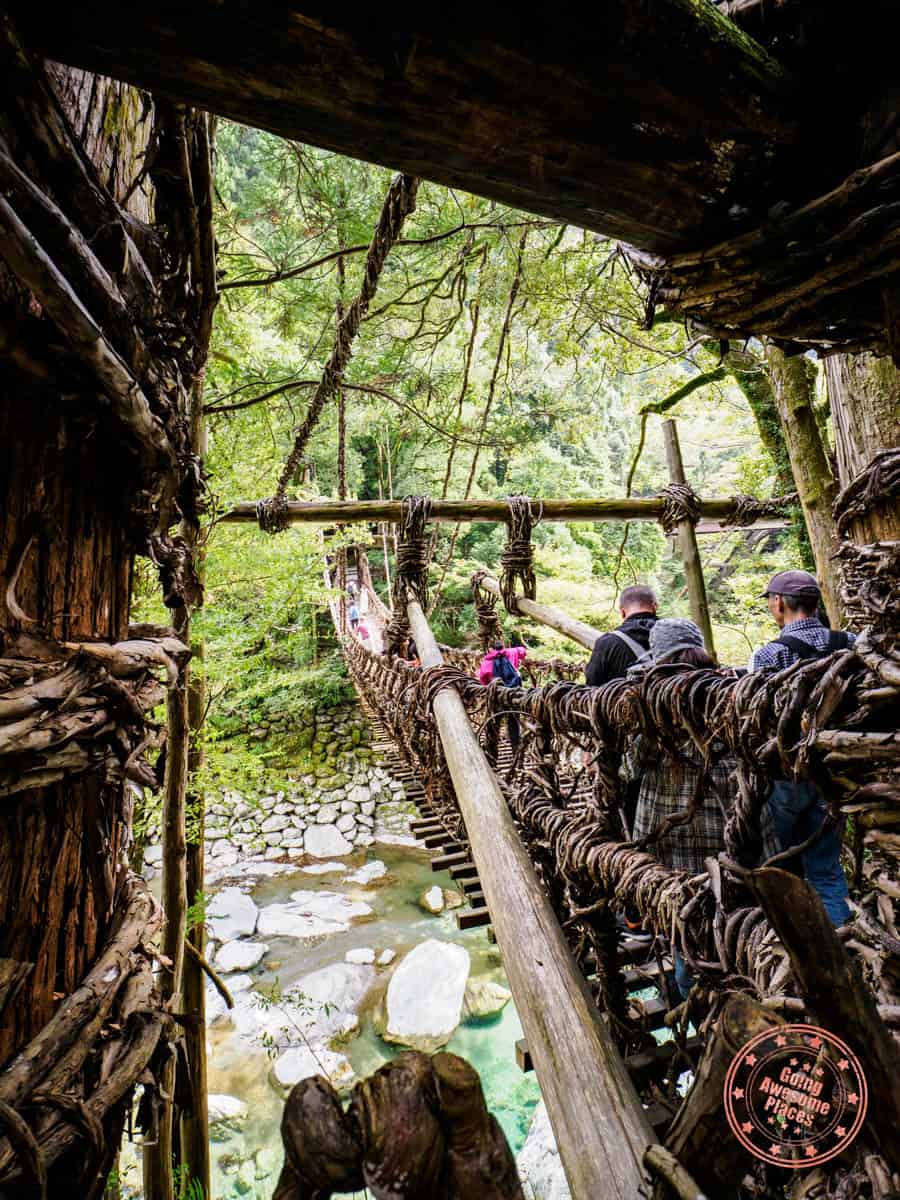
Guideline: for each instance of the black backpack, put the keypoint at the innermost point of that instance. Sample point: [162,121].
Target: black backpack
[503,669]
[837,640]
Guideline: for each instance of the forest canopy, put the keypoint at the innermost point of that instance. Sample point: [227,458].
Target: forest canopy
[502,353]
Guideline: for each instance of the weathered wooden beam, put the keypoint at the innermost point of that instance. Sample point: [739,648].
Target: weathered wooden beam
[687,542]
[36,271]
[591,120]
[603,1136]
[554,618]
[347,512]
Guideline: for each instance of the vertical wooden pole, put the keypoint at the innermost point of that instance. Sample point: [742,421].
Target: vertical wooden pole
[195,1128]
[600,1126]
[687,542]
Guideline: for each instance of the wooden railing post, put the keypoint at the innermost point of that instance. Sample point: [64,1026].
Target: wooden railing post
[687,543]
[600,1125]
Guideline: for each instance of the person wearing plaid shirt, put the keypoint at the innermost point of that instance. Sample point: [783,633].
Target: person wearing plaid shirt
[796,807]
[673,786]
[668,788]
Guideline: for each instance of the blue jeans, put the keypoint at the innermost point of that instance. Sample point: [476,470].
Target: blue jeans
[684,978]
[798,810]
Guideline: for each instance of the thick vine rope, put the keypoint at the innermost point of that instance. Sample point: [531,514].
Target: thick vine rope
[411,575]
[399,203]
[680,503]
[745,510]
[517,559]
[485,604]
[876,485]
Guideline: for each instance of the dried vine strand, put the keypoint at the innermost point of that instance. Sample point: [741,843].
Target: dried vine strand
[485,604]
[411,574]
[398,204]
[517,559]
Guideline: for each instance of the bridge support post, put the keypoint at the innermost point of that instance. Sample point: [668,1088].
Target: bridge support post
[687,543]
[600,1125]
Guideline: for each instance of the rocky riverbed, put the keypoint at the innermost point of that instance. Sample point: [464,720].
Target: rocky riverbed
[339,948]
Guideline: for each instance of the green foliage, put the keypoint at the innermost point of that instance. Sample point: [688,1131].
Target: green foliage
[568,387]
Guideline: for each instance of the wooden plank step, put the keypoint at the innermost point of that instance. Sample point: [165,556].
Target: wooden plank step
[523,1056]
[654,1012]
[475,898]
[474,918]
[630,950]
[446,862]
[645,976]
[447,840]
[640,1066]
[464,870]
[425,825]
[660,1118]
[470,885]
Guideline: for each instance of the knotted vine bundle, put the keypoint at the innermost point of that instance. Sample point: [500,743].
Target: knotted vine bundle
[485,603]
[272,514]
[517,559]
[680,503]
[745,510]
[411,576]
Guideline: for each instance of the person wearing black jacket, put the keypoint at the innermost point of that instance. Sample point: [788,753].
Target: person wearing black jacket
[615,652]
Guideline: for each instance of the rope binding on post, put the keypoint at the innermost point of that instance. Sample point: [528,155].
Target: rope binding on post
[485,604]
[745,510]
[272,514]
[680,503]
[411,576]
[517,559]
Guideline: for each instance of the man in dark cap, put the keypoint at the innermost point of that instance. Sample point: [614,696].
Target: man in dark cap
[794,598]
[798,808]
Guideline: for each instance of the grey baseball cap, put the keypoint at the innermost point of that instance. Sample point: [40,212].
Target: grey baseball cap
[793,583]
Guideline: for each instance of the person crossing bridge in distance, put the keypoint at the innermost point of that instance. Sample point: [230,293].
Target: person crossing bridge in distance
[502,663]
[798,808]
[615,652]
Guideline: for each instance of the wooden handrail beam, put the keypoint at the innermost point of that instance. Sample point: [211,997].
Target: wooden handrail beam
[327,512]
[578,631]
[600,1126]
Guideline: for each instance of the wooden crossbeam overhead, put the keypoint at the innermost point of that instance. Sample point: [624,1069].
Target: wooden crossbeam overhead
[327,512]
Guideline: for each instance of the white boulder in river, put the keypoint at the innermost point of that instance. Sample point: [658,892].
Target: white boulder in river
[425,996]
[239,956]
[231,914]
[302,1061]
[319,1007]
[311,914]
[325,841]
[540,1167]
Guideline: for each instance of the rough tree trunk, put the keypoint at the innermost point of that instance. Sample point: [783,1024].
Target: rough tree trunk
[864,392]
[65,480]
[793,382]
[62,478]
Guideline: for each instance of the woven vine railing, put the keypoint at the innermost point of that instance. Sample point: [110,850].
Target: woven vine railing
[831,721]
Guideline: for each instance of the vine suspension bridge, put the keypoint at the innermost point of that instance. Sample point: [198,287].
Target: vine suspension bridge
[538,845]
